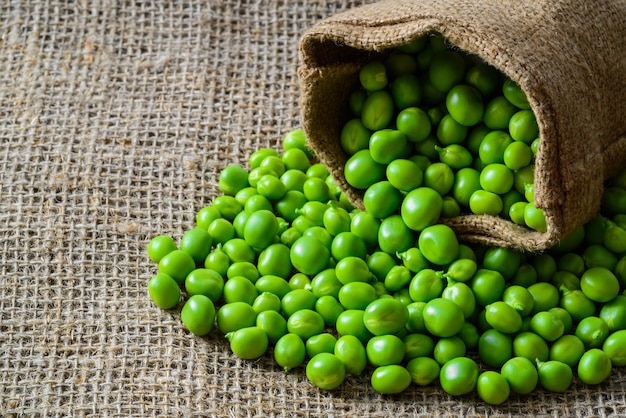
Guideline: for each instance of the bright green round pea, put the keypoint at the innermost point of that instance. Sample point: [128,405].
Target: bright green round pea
[447,68]
[309,255]
[236,315]
[406,91]
[164,291]
[599,284]
[418,345]
[274,284]
[248,343]
[498,112]
[160,246]
[519,298]
[404,175]
[350,350]
[488,286]
[483,77]
[523,126]
[239,289]
[373,76]
[423,370]
[350,322]
[421,208]
[383,350]
[227,206]
[354,136]
[357,295]
[245,269]
[531,346]
[382,199]
[329,308]
[326,371]
[390,379]
[217,260]
[387,145]
[377,110]
[465,104]
[232,179]
[414,123]
[443,318]
[296,300]
[266,301]
[315,189]
[258,156]
[205,282]
[547,325]
[448,348]
[385,316]
[272,322]
[592,331]
[613,313]
[459,376]
[615,347]
[555,376]
[535,218]
[517,155]
[289,351]
[577,304]
[425,286]
[439,244]
[177,264]
[305,323]
[495,348]
[222,230]
[365,226]
[205,216]
[394,236]
[198,314]
[492,387]
[483,202]
[493,146]
[503,317]
[521,375]
[567,349]
[515,94]
[496,178]
[361,171]
[594,367]
[321,343]
[295,159]
[238,249]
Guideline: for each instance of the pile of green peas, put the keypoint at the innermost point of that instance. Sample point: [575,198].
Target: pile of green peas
[429,119]
[283,265]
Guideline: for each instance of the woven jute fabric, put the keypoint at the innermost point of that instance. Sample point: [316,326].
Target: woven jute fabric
[567,55]
[115,119]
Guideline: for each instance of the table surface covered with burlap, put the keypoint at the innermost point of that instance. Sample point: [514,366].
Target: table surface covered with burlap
[115,121]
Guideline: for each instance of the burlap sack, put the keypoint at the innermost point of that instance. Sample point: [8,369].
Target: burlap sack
[569,56]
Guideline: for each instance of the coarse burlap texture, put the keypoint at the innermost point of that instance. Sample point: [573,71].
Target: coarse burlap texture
[115,120]
[569,56]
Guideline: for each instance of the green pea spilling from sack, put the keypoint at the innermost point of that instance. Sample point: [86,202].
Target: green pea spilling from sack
[282,265]
[429,115]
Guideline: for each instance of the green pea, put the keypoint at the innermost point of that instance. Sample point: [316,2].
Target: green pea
[232,179]
[418,345]
[273,284]
[599,256]
[414,123]
[305,323]
[356,100]
[329,308]
[309,255]
[514,94]
[465,104]
[326,371]
[517,155]
[380,264]
[266,301]
[524,176]
[461,270]
[439,244]
[354,136]
[164,291]
[352,269]
[448,348]
[350,350]
[160,246]
[531,346]
[535,218]
[238,249]
[577,304]
[404,175]
[289,351]
[385,316]
[413,260]
[415,322]
[495,348]
[387,145]
[492,387]
[222,230]
[290,236]
[503,317]
[451,132]
[296,300]
[498,113]
[455,156]
[227,206]
[567,349]
[547,325]
[248,343]
[442,317]
[568,323]
[459,376]
[373,76]
[493,146]
[483,77]
[381,199]
[295,159]
[421,208]
[545,296]
[356,295]
[273,163]
[401,61]
[599,284]
[239,289]
[592,331]
[383,350]
[204,282]
[521,375]
[296,138]
[361,171]
[198,314]
[555,376]
[566,279]
[594,367]
[466,182]
[496,178]
[613,313]
[425,286]
[244,269]
[519,298]
[365,226]
[218,261]
[423,370]
[177,264]
[205,216]
[615,347]
[377,111]
[258,156]
[321,343]
[406,91]
[394,236]
[447,68]
[390,379]
[350,322]
[427,148]
[483,202]
[488,286]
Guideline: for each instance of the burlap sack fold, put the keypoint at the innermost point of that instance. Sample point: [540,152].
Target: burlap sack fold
[569,56]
